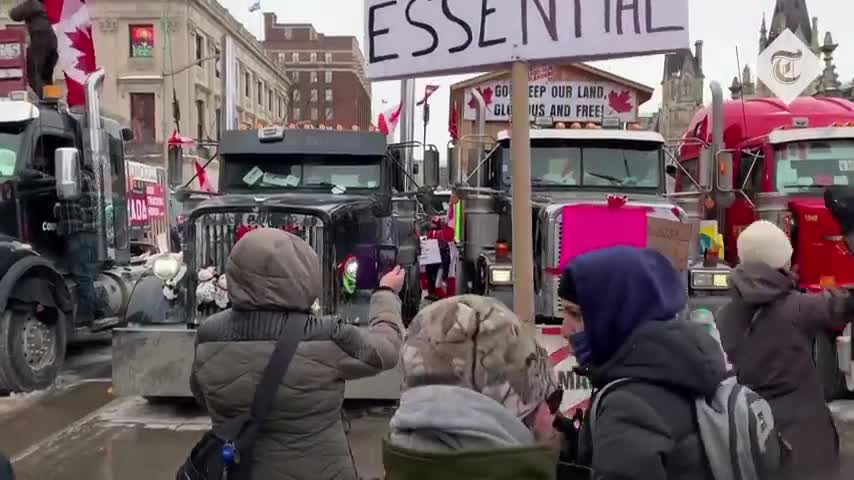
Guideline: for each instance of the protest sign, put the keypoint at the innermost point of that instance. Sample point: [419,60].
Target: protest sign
[406,38]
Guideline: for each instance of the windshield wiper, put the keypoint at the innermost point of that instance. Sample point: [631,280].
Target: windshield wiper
[606,177]
[807,186]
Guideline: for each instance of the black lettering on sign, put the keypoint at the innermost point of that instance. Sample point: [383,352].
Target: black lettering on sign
[502,91]
[485,11]
[570,381]
[423,26]
[561,110]
[501,110]
[561,91]
[536,91]
[373,33]
[549,19]
[622,7]
[607,16]
[459,21]
[651,29]
[538,110]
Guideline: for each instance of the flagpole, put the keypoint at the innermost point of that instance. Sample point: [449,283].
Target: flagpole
[426,121]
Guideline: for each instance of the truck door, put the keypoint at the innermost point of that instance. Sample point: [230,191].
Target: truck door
[39,195]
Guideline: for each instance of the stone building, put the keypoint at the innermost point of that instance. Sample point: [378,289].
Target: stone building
[164,51]
[327,72]
[683,86]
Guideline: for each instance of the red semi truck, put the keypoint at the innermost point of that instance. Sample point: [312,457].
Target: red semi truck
[762,159]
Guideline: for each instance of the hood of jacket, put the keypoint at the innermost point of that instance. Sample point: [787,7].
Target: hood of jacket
[679,354]
[620,288]
[759,284]
[270,269]
[448,432]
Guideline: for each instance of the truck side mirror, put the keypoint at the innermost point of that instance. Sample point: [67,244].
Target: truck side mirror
[176,165]
[431,168]
[127,134]
[723,171]
[67,168]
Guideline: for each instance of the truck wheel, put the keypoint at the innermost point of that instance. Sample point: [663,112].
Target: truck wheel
[827,366]
[32,349]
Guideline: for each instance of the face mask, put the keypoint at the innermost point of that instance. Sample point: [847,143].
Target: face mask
[581,348]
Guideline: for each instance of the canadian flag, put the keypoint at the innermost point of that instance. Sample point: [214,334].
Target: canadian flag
[76,50]
[429,90]
[388,120]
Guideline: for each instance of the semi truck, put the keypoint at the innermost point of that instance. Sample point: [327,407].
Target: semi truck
[340,191]
[759,158]
[43,148]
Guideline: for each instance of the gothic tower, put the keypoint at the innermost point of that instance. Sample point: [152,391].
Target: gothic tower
[682,91]
[792,15]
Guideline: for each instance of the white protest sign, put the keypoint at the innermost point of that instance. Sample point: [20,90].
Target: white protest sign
[406,38]
[560,101]
[430,253]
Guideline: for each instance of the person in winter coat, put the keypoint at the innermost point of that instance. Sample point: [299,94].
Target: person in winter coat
[768,330]
[621,306]
[6,472]
[272,276]
[479,397]
[42,51]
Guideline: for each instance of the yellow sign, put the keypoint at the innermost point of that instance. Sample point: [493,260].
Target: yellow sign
[721,281]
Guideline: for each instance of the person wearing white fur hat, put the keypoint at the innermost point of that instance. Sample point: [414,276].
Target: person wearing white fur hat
[768,330]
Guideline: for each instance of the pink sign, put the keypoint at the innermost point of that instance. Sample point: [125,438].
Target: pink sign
[591,227]
[154,198]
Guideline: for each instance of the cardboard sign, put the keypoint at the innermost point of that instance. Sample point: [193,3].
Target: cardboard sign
[670,238]
[430,254]
[409,38]
[560,101]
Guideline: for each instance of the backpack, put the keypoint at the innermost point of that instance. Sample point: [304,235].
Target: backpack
[225,452]
[736,428]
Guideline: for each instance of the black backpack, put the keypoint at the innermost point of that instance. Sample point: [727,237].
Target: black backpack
[226,452]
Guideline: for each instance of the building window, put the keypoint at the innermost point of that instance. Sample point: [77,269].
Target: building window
[142,117]
[141,41]
[328,95]
[327,76]
[297,114]
[217,61]
[297,96]
[247,84]
[314,114]
[295,76]
[200,119]
[282,107]
[295,57]
[314,96]
[328,57]
[313,77]
[281,56]
[200,46]
[260,93]
[313,57]
[289,33]
[270,100]
[328,113]
[218,123]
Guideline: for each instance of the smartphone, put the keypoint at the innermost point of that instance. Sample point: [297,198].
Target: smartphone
[386,258]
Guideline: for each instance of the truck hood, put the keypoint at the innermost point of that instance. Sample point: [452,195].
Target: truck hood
[660,206]
[820,249]
[324,204]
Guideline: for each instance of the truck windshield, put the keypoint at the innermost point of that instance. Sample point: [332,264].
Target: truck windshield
[270,172]
[11,135]
[804,166]
[613,165]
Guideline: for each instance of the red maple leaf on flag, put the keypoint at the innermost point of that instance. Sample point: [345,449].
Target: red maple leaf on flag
[620,102]
[82,41]
[486,93]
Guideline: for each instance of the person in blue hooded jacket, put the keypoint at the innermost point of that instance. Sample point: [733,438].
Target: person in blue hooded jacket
[621,306]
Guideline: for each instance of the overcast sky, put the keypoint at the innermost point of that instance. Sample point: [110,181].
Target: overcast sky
[723,25]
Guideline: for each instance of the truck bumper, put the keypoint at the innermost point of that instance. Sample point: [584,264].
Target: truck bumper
[157,362]
[710,303]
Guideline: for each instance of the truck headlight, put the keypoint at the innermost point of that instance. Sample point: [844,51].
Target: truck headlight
[166,267]
[709,280]
[501,275]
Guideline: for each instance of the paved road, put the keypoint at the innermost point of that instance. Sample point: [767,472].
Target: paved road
[80,430]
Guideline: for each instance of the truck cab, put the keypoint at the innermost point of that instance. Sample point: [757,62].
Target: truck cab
[783,158]
[338,190]
[43,147]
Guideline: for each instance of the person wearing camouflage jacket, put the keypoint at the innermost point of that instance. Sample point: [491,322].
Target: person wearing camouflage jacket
[272,276]
[476,396]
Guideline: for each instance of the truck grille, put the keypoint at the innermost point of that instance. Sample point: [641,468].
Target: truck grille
[215,234]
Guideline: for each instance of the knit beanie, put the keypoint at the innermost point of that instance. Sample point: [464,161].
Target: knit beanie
[764,242]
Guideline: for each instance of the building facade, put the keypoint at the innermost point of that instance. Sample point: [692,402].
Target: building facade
[327,73]
[682,91]
[164,53]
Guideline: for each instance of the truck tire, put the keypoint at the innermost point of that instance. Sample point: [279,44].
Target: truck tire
[32,349]
[831,380]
